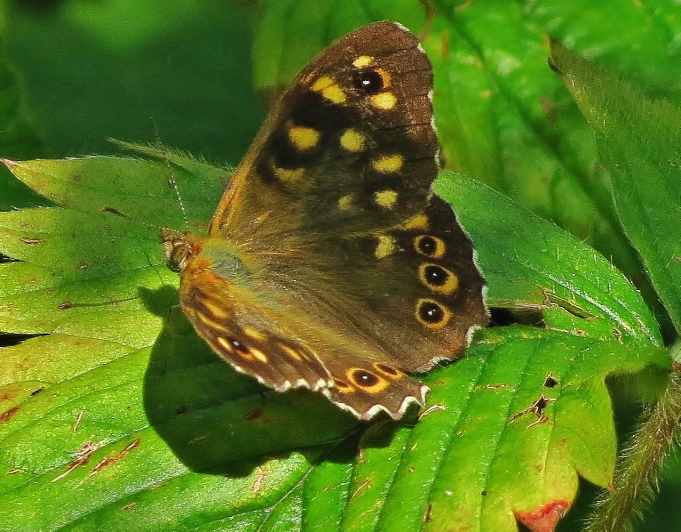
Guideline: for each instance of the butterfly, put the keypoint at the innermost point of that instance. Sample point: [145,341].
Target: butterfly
[329,263]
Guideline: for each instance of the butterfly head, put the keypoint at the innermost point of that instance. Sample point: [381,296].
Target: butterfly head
[178,248]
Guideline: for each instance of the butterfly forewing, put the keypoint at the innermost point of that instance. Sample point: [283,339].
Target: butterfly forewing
[353,134]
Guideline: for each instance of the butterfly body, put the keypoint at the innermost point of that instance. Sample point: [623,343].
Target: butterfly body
[330,264]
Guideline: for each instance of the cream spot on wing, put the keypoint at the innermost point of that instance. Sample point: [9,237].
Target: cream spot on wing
[352,140]
[384,100]
[322,83]
[345,203]
[254,334]
[292,353]
[385,198]
[388,163]
[289,174]
[225,344]
[303,138]
[217,311]
[329,89]
[386,246]
[418,221]
[363,61]
[259,355]
[210,322]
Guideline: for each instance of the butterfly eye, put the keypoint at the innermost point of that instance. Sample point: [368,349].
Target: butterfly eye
[368,81]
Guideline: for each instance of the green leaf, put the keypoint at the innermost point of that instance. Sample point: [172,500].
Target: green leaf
[531,263]
[638,139]
[133,409]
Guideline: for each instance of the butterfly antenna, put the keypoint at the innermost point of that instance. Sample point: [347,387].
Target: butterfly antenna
[173,184]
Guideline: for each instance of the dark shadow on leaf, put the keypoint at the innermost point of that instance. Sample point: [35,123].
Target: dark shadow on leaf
[502,317]
[216,420]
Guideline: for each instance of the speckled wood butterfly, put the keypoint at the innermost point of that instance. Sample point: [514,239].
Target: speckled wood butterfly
[330,264]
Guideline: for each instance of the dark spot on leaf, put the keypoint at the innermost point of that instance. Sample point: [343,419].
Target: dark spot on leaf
[550,381]
[253,414]
[115,211]
[537,408]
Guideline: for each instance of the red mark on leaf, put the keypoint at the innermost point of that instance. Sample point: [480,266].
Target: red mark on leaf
[8,414]
[81,457]
[546,518]
[8,395]
[106,462]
